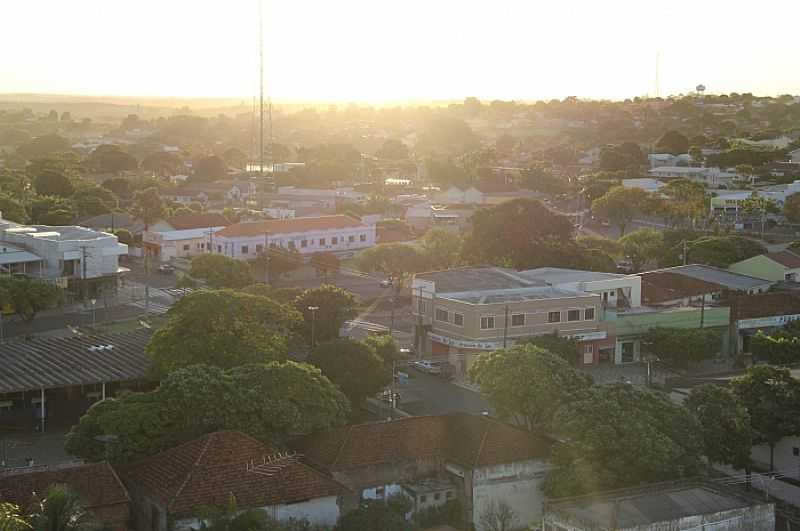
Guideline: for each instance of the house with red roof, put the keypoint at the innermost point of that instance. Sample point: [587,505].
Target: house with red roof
[170,490]
[341,235]
[483,460]
[100,490]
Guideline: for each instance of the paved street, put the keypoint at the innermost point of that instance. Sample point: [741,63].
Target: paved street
[424,394]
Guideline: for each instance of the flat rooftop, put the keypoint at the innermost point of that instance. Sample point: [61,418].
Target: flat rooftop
[61,233]
[718,276]
[558,275]
[472,279]
[643,508]
[514,295]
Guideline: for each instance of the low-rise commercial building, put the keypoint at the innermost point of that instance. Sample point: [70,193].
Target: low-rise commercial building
[463,312]
[341,235]
[182,236]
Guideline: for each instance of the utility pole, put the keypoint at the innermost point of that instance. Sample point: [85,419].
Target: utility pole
[261,86]
[685,251]
[505,326]
[702,310]
[313,310]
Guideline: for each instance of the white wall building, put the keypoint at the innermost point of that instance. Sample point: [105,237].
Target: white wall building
[66,252]
[338,234]
[713,177]
[182,236]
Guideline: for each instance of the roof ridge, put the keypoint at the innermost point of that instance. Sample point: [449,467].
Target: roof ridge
[191,470]
[344,443]
[483,443]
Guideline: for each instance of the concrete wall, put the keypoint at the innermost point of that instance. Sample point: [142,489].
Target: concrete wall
[517,484]
[234,247]
[368,477]
[319,511]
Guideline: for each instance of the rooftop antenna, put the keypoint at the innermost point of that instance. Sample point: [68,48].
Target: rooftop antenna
[271,465]
[261,86]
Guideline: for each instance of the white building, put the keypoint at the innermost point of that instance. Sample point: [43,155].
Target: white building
[713,177]
[182,236]
[67,252]
[647,184]
[659,160]
[338,234]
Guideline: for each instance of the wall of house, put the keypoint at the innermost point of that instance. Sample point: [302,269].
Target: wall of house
[517,484]
[318,511]
[364,478]
[236,247]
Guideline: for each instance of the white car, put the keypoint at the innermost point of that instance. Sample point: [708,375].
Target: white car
[428,367]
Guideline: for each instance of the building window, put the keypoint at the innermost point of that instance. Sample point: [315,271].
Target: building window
[259,248]
[588,349]
[186,247]
[487,322]
[245,249]
[458,319]
[363,237]
[303,243]
[423,499]
[518,319]
[334,240]
[441,315]
[588,354]
[554,317]
[219,248]
[421,306]
[351,238]
[627,352]
[437,496]
[291,244]
[322,241]
[588,314]
[573,315]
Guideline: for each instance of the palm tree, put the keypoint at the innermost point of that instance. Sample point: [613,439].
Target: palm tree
[11,519]
[61,510]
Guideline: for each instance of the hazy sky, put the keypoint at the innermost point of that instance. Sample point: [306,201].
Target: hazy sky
[387,50]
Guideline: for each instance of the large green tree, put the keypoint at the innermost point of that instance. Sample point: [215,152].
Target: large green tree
[268,401]
[221,328]
[621,435]
[209,168]
[641,246]
[724,425]
[564,347]
[52,210]
[353,366]
[680,347]
[333,306]
[29,296]
[111,158]
[778,348]
[221,271]
[51,182]
[722,251]
[771,396]
[620,205]
[441,248]
[148,206]
[526,383]
[398,260]
[12,209]
[514,233]
[673,142]
[61,509]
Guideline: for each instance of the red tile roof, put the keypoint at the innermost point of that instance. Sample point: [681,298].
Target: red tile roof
[768,305]
[785,258]
[468,440]
[208,470]
[197,221]
[284,226]
[664,286]
[97,484]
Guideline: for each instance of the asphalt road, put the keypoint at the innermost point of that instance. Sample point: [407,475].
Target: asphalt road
[425,394]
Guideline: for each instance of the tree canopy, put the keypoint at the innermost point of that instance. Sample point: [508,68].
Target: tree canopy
[221,271]
[673,142]
[268,401]
[209,168]
[641,246]
[396,259]
[148,206]
[28,296]
[221,328]
[680,347]
[620,205]
[441,248]
[621,435]
[722,251]
[526,383]
[51,182]
[725,429]
[352,366]
[791,208]
[334,307]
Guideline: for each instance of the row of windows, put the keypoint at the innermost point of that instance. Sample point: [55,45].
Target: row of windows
[517,319]
[304,243]
[436,496]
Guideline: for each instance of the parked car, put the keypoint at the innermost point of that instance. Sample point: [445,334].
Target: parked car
[428,366]
[387,283]
[166,269]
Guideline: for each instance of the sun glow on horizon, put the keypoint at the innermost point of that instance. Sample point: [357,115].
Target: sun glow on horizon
[372,51]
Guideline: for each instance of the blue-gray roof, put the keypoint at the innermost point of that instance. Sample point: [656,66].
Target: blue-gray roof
[730,280]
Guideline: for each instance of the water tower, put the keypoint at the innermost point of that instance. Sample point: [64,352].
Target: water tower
[701,90]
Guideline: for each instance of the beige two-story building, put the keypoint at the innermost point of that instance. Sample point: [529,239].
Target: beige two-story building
[463,312]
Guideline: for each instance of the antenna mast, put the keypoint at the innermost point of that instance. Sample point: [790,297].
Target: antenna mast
[261,85]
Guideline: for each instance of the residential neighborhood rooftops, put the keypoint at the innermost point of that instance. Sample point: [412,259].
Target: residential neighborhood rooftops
[466,440]
[46,363]
[730,280]
[644,506]
[208,471]
[96,483]
[197,221]
[58,233]
[664,286]
[289,226]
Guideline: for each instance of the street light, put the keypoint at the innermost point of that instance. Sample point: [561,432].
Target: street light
[313,310]
[94,314]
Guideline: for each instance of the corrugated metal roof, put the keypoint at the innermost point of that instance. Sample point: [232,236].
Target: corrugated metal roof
[48,363]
